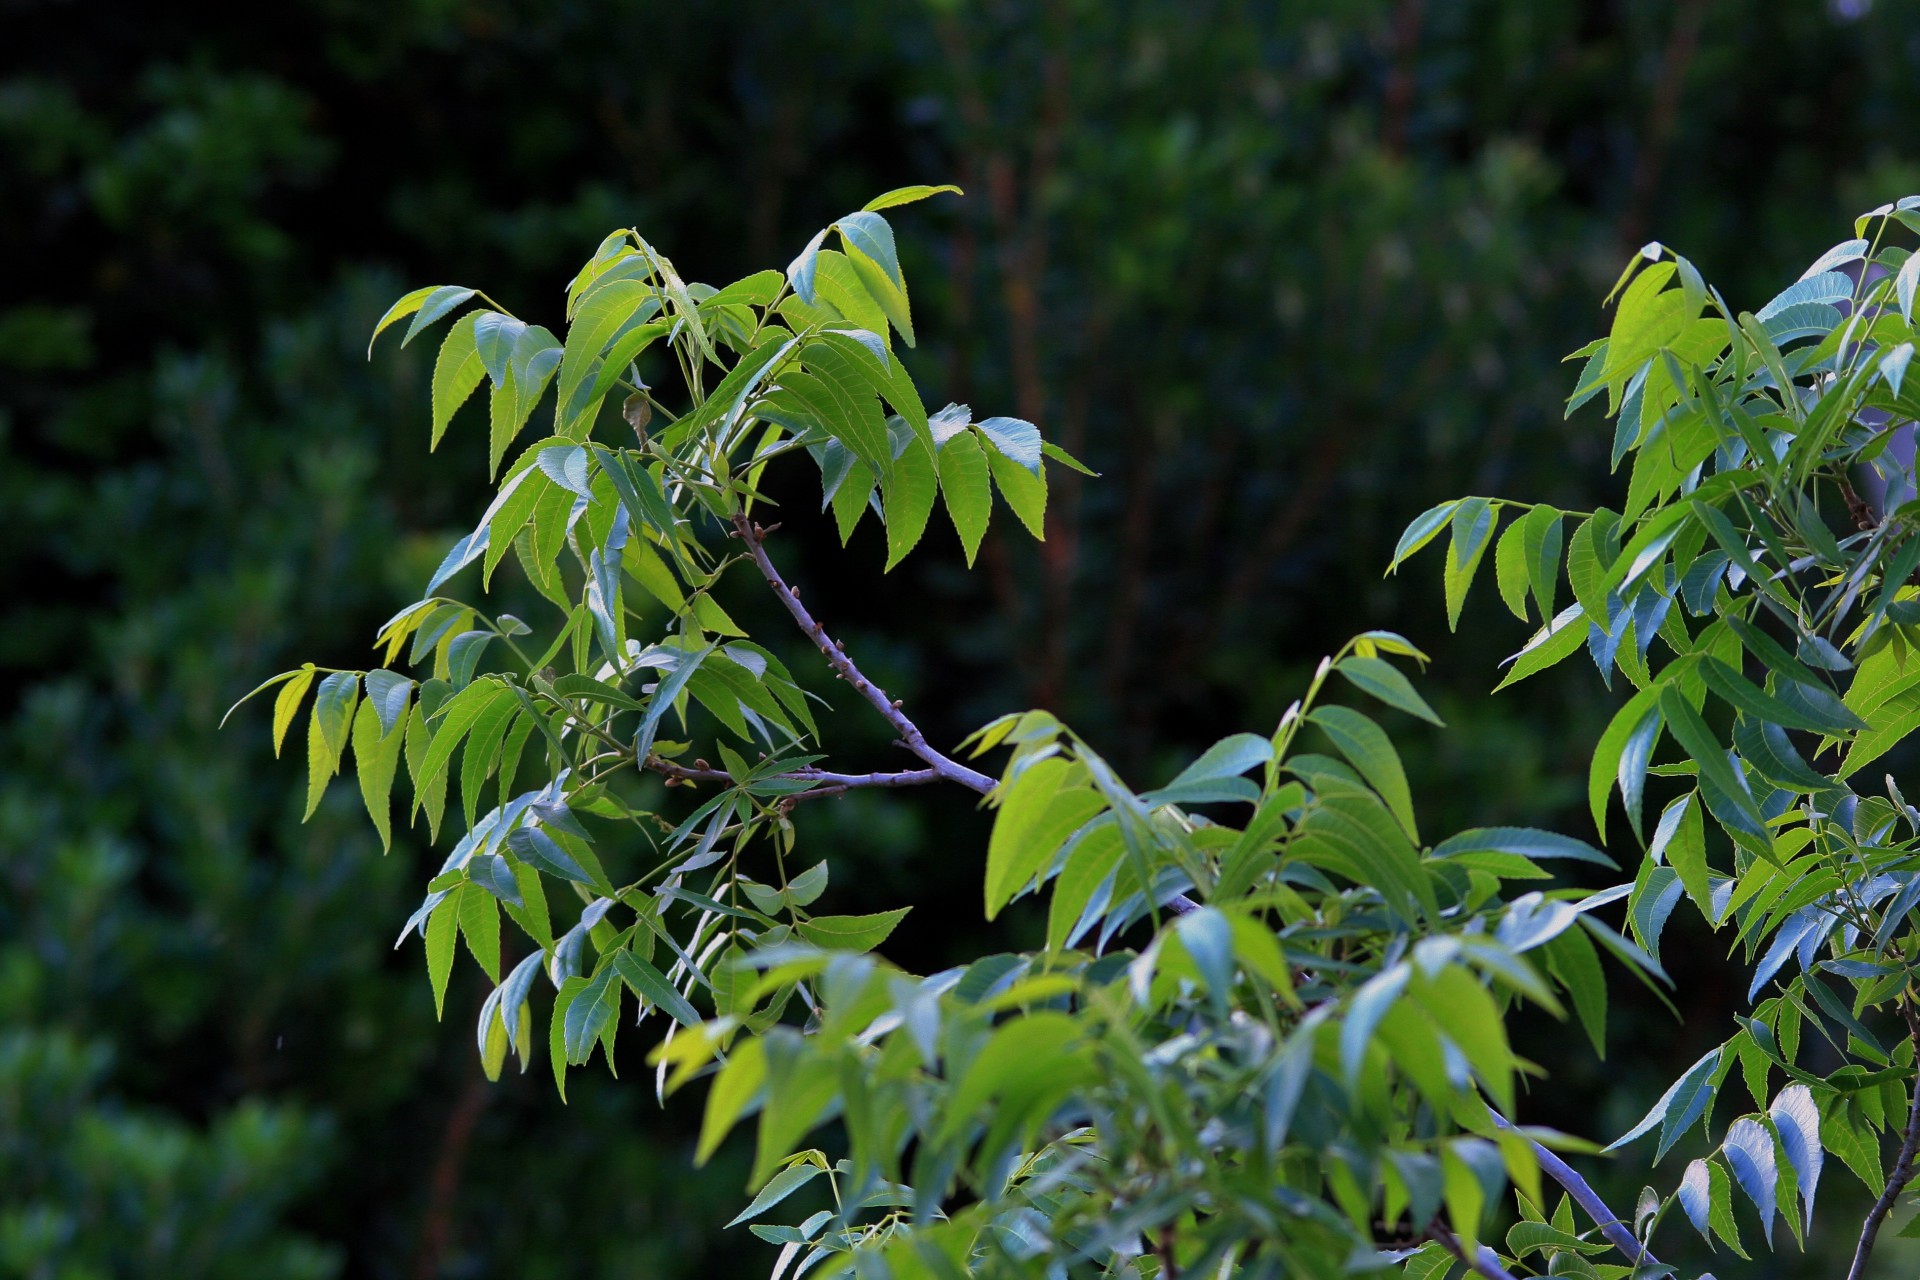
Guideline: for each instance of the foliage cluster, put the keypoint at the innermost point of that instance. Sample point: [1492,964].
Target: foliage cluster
[1247,1047]
[1216,259]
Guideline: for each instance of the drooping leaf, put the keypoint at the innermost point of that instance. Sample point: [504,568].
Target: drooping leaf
[1749,1152]
[1797,1120]
[376,758]
[457,370]
[1024,491]
[1472,526]
[1365,744]
[592,1010]
[965,486]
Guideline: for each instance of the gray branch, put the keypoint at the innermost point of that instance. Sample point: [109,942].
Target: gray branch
[1611,1224]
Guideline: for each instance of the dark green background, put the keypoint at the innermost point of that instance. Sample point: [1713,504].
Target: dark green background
[1285,273]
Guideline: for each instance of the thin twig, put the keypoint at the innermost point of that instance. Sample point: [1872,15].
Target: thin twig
[1902,1169]
[1611,1224]
[939,765]
[910,736]
[826,782]
[1484,1262]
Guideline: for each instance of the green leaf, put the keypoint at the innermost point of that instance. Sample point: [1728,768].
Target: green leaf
[1035,817]
[1797,1121]
[457,370]
[1224,761]
[613,366]
[1888,725]
[1589,554]
[535,355]
[905,195]
[663,697]
[1022,807]
[1552,644]
[1720,1208]
[851,933]
[1748,1150]
[1814,709]
[1457,1001]
[480,926]
[835,391]
[333,710]
[443,928]
[1365,1009]
[784,1184]
[1472,524]
[1684,1102]
[535,847]
[1686,850]
[1637,726]
[430,302]
[287,705]
[376,757]
[738,1083]
[1540,535]
[1510,569]
[1065,459]
[1031,1048]
[651,986]
[557,1030]
[1364,743]
[1716,770]
[1024,491]
[591,1012]
[387,694]
[483,751]
[601,314]
[1694,1195]
[1207,936]
[801,271]
[1424,528]
[1384,681]
[435,305]
[868,242]
[910,496]
[964,484]
[1528,842]
[1575,963]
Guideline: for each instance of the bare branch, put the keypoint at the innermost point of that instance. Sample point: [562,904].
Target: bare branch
[1612,1225]
[940,766]
[910,736]
[1902,1168]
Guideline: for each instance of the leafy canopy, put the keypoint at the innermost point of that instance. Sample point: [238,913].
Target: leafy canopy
[1266,1032]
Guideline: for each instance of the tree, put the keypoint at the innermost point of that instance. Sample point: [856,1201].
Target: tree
[1267,1030]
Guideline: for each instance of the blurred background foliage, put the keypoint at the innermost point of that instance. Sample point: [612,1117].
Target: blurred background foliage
[1286,273]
